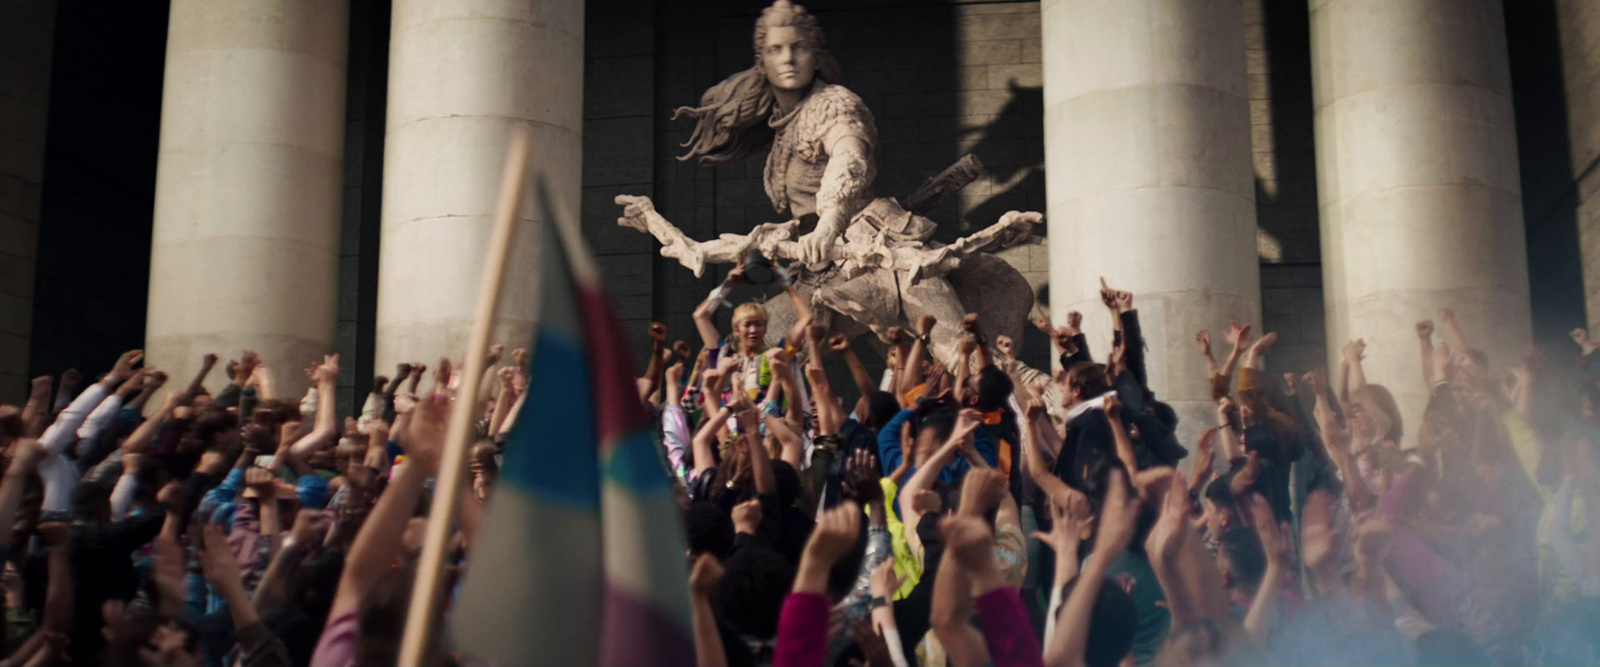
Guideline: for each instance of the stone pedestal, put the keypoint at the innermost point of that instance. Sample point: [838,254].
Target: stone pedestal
[1149,180]
[245,249]
[461,76]
[1418,182]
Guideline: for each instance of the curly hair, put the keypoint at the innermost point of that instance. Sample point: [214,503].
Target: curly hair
[730,122]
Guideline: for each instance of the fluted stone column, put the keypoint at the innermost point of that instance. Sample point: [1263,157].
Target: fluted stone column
[1418,183]
[1148,177]
[462,75]
[245,250]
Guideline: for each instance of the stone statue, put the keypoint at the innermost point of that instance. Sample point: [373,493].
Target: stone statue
[869,259]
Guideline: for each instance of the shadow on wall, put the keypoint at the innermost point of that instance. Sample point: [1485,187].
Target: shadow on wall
[1012,150]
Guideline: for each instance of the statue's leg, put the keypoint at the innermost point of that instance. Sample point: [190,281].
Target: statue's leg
[871,300]
[934,296]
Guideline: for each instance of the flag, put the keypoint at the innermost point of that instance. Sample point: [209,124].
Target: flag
[580,559]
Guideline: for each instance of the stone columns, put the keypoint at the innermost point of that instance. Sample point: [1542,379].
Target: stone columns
[1417,179]
[461,76]
[1149,179]
[245,250]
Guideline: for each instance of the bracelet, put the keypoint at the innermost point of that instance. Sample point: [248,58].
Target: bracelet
[717,295]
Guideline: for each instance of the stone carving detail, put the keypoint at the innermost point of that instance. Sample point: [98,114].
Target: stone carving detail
[871,260]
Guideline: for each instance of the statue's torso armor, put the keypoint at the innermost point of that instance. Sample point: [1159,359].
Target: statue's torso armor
[799,153]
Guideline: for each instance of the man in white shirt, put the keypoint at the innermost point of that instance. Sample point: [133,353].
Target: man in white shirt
[86,417]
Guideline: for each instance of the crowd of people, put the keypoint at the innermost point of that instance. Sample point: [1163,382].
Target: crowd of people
[181,527]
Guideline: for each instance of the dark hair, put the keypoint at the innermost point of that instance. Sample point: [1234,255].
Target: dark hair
[994,387]
[1089,378]
[750,596]
[710,529]
[381,618]
[1112,624]
[1247,560]
[881,407]
[212,421]
[938,417]
[788,480]
[91,500]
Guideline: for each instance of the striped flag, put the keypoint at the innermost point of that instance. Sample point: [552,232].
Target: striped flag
[580,560]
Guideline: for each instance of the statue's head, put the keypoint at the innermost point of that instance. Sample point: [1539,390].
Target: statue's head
[789,46]
[731,120]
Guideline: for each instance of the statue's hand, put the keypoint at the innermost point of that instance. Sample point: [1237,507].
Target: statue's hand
[816,247]
[635,211]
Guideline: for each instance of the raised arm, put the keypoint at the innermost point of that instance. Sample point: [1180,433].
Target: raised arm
[858,372]
[326,429]
[651,382]
[1452,330]
[381,536]
[702,313]
[1275,542]
[25,458]
[1354,352]
[703,580]
[705,439]
[928,471]
[803,318]
[1430,375]
[829,415]
[38,405]
[1119,433]
[911,366]
[1117,522]
[1239,336]
[197,386]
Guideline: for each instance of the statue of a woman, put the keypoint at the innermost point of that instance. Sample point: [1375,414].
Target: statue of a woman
[865,258]
[821,164]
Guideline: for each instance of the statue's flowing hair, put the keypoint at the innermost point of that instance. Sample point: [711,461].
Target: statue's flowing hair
[730,122]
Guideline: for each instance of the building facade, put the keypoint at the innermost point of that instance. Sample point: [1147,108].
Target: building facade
[299,176]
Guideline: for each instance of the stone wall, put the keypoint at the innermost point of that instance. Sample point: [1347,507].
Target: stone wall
[366,98]
[1554,49]
[26,32]
[99,185]
[1278,62]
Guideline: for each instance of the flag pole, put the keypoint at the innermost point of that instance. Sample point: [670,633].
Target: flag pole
[427,592]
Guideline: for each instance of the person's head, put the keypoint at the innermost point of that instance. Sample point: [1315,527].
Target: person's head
[935,422]
[994,387]
[710,530]
[1374,415]
[750,596]
[750,327]
[1221,512]
[1112,624]
[1083,382]
[881,407]
[215,427]
[147,640]
[91,501]
[788,480]
[1241,559]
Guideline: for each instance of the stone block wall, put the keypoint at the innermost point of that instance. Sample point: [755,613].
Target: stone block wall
[1278,64]
[366,98]
[27,29]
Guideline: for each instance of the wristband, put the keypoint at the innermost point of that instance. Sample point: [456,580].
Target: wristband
[876,602]
[717,295]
